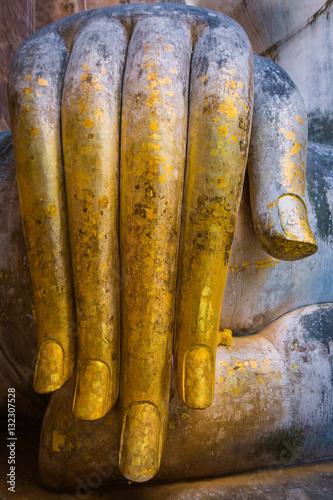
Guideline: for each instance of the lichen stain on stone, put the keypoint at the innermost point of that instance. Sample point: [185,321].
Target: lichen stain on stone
[281,444]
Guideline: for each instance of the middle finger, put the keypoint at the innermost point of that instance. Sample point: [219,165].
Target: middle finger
[153,144]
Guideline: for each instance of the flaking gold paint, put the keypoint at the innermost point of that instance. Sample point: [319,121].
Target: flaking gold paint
[154,117]
[91,154]
[215,170]
[37,146]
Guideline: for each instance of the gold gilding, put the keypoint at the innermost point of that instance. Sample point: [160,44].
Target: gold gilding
[219,126]
[37,146]
[49,367]
[91,390]
[277,171]
[91,156]
[153,145]
[225,335]
[199,377]
[140,442]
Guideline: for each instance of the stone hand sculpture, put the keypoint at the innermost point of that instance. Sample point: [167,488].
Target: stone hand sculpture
[111,87]
[273,390]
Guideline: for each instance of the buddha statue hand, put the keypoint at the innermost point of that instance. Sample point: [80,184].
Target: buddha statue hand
[130,155]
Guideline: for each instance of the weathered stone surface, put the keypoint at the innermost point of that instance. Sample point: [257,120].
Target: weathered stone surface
[282,286]
[298,36]
[16,24]
[304,282]
[305,406]
[302,482]
[255,16]
[17,312]
[20,18]
[272,406]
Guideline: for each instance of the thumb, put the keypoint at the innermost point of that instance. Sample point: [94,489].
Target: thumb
[277,164]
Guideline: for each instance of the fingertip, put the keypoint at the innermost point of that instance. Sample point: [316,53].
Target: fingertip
[198,377]
[290,236]
[140,446]
[49,371]
[92,391]
[295,224]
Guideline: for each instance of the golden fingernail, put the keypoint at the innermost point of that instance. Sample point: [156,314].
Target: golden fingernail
[140,444]
[92,390]
[294,221]
[50,367]
[198,382]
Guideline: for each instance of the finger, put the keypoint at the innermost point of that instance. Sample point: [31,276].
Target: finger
[219,124]
[154,120]
[35,84]
[90,118]
[277,164]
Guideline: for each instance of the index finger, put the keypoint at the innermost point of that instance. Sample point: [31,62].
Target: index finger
[219,127]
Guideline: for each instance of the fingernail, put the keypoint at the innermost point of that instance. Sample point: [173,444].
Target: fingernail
[49,368]
[199,377]
[140,444]
[92,391]
[294,221]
